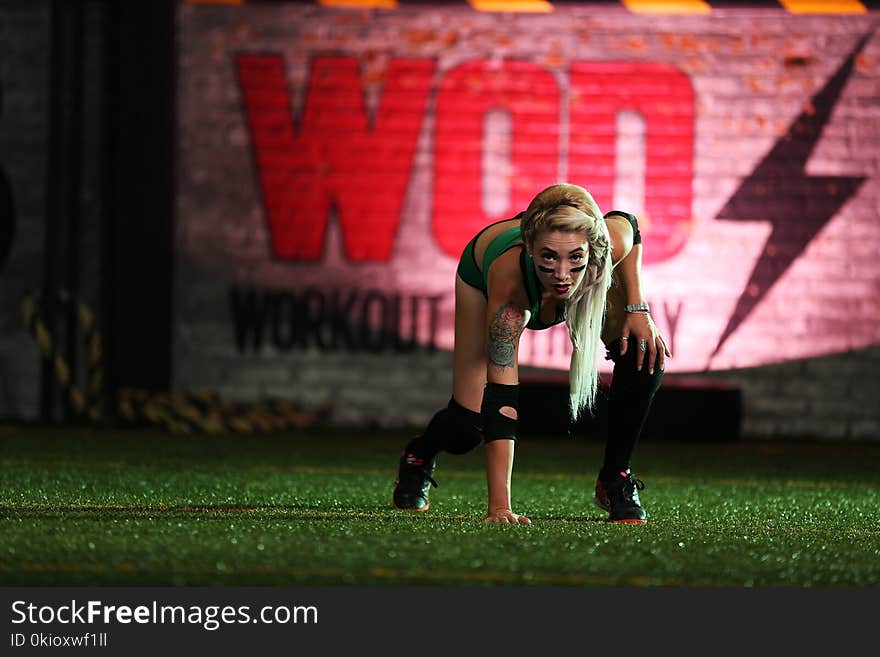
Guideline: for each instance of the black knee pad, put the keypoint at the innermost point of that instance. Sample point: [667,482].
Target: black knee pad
[458,429]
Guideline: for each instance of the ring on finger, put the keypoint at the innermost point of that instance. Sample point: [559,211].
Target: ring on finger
[643,345]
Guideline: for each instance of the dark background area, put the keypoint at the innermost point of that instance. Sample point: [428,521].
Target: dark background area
[106,220]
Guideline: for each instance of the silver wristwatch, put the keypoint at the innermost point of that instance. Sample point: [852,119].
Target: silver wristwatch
[637,308]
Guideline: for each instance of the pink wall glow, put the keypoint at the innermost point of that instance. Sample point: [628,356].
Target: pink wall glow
[346,152]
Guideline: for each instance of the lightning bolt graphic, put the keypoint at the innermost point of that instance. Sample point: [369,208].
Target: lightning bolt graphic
[780,192]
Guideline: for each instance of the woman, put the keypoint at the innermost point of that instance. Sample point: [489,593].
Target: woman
[560,260]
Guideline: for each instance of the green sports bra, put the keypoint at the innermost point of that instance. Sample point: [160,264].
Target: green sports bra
[504,242]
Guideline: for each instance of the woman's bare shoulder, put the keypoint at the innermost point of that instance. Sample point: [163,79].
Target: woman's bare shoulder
[505,277]
[621,233]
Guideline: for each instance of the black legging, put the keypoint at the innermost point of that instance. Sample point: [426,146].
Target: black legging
[629,402]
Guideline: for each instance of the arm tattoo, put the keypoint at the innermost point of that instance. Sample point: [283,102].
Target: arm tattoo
[504,328]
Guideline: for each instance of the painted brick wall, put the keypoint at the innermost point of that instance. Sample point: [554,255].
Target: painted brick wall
[757,290]
[806,355]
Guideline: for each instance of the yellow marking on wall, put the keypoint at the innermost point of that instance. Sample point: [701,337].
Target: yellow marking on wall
[522,6]
[375,4]
[635,6]
[667,6]
[823,6]
[214,2]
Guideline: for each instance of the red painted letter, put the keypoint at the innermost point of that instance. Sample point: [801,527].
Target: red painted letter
[531,96]
[664,96]
[337,156]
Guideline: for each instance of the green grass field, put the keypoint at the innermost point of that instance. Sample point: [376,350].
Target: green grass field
[90,507]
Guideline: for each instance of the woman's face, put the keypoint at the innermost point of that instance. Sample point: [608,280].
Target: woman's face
[561,261]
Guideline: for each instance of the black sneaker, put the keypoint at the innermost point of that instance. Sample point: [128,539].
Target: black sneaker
[414,481]
[620,497]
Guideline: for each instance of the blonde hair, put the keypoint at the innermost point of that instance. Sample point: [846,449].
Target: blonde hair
[571,209]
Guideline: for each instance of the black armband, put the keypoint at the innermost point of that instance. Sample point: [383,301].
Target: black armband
[631,218]
[496,425]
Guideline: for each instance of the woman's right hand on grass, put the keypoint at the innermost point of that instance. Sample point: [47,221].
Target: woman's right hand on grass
[506,517]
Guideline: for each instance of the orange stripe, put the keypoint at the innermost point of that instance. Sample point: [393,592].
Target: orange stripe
[823,6]
[667,6]
[523,6]
[379,4]
[214,2]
